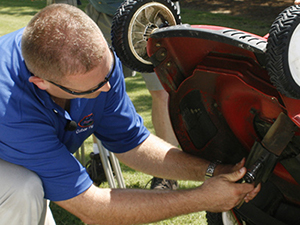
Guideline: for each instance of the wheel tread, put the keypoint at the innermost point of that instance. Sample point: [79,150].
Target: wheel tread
[277,49]
[118,33]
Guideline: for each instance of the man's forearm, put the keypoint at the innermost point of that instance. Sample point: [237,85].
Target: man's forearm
[169,161]
[136,206]
[154,156]
[129,206]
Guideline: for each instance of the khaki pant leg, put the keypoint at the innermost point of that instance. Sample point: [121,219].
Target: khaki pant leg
[22,197]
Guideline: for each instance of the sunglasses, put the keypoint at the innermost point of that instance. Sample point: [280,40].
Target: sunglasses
[100,85]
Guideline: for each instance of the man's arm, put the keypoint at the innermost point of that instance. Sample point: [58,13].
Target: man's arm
[132,206]
[158,158]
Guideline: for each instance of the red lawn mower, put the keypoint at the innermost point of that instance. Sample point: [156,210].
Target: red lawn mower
[233,94]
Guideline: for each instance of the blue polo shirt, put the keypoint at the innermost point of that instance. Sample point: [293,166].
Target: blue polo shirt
[32,126]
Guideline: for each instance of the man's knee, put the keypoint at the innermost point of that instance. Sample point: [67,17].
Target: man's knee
[32,188]
[20,185]
[21,195]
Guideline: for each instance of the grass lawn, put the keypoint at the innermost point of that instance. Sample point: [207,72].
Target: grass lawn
[15,14]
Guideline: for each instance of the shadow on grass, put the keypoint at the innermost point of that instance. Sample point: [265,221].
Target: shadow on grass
[20,8]
[16,5]
[18,13]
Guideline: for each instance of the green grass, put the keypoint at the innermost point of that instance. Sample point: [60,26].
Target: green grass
[15,14]
[255,26]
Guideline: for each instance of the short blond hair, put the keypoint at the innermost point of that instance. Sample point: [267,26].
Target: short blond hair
[62,40]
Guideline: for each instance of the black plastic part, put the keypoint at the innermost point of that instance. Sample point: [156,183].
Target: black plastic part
[228,36]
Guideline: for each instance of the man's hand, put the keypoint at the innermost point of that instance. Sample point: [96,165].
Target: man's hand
[297,2]
[229,168]
[127,206]
[222,193]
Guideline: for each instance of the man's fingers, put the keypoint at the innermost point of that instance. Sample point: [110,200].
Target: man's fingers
[237,175]
[253,193]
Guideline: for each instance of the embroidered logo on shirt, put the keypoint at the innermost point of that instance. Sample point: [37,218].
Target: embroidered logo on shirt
[87,121]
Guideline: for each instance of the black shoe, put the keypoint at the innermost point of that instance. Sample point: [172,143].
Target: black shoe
[95,169]
[160,183]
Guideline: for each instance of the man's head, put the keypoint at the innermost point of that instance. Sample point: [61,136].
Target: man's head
[61,40]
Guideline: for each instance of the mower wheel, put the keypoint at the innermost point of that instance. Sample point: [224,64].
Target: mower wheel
[132,25]
[283,52]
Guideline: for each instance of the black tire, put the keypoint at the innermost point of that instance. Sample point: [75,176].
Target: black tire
[281,65]
[132,25]
[214,218]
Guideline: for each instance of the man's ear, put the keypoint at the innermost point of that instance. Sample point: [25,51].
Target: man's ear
[39,82]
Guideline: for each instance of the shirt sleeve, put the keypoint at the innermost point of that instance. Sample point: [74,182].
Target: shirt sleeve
[121,127]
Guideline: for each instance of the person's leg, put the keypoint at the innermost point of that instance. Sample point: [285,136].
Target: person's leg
[161,122]
[160,109]
[47,217]
[22,197]
[160,106]
[160,116]
[104,22]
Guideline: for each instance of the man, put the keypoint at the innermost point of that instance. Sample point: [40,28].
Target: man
[102,13]
[60,70]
